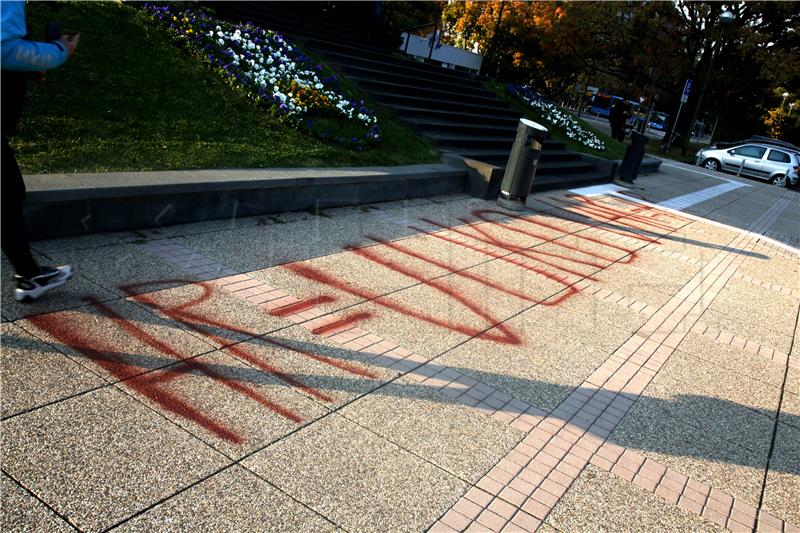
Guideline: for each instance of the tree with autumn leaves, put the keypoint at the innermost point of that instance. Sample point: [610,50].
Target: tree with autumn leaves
[643,50]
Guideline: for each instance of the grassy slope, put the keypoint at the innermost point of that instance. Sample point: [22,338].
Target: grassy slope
[131,100]
[614,149]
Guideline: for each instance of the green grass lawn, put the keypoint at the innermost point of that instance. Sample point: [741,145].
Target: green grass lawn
[676,152]
[132,100]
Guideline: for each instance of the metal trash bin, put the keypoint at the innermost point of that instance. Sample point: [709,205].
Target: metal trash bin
[521,167]
[634,154]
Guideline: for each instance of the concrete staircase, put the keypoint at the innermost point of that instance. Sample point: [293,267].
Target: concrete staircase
[451,108]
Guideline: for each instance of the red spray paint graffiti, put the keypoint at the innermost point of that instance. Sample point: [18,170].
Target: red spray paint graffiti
[628,258]
[485,236]
[204,324]
[151,384]
[503,335]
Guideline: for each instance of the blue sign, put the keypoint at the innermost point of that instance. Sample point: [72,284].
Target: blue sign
[687,88]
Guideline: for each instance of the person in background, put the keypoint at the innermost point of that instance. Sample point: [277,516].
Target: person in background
[23,60]
[616,118]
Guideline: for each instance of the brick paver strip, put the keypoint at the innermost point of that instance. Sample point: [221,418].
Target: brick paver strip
[768,285]
[613,388]
[728,338]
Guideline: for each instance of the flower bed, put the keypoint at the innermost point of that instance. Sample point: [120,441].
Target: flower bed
[556,117]
[275,73]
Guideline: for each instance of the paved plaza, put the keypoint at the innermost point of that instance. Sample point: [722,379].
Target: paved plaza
[610,359]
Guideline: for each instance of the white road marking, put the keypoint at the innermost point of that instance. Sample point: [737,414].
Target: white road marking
[687,200]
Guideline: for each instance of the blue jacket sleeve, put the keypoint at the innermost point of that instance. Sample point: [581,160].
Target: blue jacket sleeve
[21,54]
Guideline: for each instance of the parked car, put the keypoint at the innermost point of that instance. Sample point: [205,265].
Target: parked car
[761,160]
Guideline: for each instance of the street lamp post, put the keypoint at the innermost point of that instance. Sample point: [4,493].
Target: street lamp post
[783,102]
[791,105]
[725,18]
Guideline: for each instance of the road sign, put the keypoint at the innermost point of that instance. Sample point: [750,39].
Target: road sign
[687,88]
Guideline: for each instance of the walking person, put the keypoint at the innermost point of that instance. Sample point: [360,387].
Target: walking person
[23,60]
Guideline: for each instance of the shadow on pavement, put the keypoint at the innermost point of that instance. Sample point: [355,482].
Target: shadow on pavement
[721,442]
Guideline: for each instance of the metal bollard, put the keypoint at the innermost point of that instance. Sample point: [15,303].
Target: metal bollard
[629,169]
[521,167]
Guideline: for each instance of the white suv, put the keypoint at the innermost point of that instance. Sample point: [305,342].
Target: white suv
[775,164]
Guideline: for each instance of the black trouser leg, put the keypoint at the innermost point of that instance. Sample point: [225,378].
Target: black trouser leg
[13,237]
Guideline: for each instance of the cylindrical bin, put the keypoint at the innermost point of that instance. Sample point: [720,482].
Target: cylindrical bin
[521,167]
[629,169]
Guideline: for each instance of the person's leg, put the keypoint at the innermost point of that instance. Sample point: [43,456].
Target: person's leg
[13,237]
[32,280]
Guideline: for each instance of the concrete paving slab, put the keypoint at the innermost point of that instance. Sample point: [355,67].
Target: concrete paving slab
[603,248]
[518,281]
[600,501]
[397,455]
[651,278]
[743,301]
[588,315]
[781,271]
[208,226]
[217,316]
[733,405]
[101,457]
[560,347]
[558,207]
[249,409]
[793,379]
[694,449]
[434,317]
[790,408]
[445,214]
[749,329]
[418,323]
[524,230]
[329,374]
[378,269]
[256,248]
[233,500]
[699,244]
[33,373]
[783,478]
[84,242]
[428,423]
[117,265]
[357,479]
[117,340]
[23,512]
[706,232]
[734,360]
[554,258]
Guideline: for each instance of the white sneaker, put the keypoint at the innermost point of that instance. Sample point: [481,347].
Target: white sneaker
[31,288]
